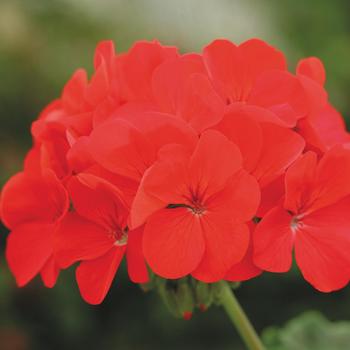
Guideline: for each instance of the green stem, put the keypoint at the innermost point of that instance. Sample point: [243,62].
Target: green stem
[239,318]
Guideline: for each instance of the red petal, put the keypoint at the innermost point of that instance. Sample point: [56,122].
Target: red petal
[314,97]
[29,246]
[162,129]
[127,186]
[74,92]
[49,273]
[32,160]
[154,192]
[246,133]
[209,173]
[226,243]
[145,204]
[273,241]
[257,113]
[200,105]
[79,157]
[234,69]
[313,68]
[105,110]
[323,129]
[180,89]
[272,195]
[332,178]
[80,239]
[127,145]
[260,57]
[98,201]
[299,179]
[322,247]
[139,65]
[98,87]
[53,154]
[169,80]
[121,148]
[245,269]
[227,239]
[281,147]
[104,52]
[29,198]
[281,93]
[137,268]
[173,242]
[238,200]
[94,277]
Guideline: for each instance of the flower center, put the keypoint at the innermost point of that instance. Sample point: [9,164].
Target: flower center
[120,236]
[194,203]
[197,207]
[296,224]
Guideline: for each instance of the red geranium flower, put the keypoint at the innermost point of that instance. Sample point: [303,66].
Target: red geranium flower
[313,220]
[196,204]
[31,207]
[181,87]
[255,74]
[324,127]
[96,233]
[267,149]
[128,144]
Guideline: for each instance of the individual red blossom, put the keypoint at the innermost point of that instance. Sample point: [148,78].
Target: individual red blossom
[313,221]
[72,116]
[31,207]
[324,127]
[138,66]
[182,88]
[128,145]
[255,73]
[267,149]
[50,149]
[197,225]
[70,111]
[235,69]
[104,93]
[96,234]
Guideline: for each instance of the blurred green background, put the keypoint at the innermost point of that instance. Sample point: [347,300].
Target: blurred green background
[41,43]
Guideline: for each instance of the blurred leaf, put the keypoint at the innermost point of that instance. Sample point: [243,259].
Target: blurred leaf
[311,330]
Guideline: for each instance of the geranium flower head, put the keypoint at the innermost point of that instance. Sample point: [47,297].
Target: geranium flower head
[203,167]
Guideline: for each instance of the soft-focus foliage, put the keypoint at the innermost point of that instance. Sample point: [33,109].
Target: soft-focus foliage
[310,330]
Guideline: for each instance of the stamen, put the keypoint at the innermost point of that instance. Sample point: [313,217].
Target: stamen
[296,224]
[120,236]
[198,210]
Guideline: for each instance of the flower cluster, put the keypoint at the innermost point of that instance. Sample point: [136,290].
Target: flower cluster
[217,165]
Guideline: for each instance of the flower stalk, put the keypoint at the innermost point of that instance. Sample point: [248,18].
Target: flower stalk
[238,317]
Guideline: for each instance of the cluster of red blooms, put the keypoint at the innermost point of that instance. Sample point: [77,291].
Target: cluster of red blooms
[216,165]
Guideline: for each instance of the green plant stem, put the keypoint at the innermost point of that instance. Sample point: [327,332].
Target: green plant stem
[239,318]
